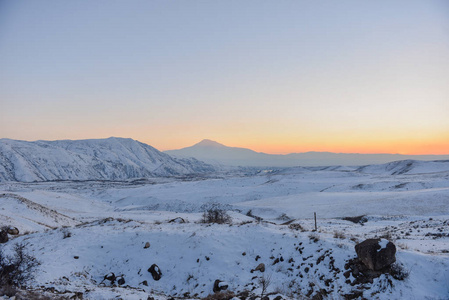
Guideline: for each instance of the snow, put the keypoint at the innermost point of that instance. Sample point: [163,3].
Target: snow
[111,221]
[383,244]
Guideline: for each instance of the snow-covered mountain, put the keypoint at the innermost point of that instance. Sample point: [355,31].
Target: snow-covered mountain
[96,159]
[216,153]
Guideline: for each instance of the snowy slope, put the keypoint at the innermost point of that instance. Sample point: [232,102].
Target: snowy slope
[110,222]
[407,167]
[101,159]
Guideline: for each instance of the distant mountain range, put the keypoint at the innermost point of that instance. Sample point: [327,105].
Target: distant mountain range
[216,153]
[124,159]
[101,159]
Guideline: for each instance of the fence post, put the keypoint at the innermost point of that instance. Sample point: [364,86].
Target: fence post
[314,215]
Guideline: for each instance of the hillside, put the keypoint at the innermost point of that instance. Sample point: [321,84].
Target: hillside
[407,167]
[98,159]
[82,231]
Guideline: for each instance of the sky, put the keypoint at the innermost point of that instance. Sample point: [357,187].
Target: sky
[272,76]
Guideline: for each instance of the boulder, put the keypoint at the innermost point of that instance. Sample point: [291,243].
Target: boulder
[260,267]
[220,286]
[147,245]
[145,283]
[178,220]
[111,277]
[376,254]
[155,272]
[120,280]
[3,236]
[13,231]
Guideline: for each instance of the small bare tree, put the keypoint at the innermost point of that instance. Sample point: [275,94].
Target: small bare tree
[216,214]
[264,282]
[16,270]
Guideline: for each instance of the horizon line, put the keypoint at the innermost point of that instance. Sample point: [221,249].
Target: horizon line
[207,139]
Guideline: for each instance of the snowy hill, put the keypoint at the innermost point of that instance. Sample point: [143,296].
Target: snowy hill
[82,231]
[98,159]
[216,153]
[407,167]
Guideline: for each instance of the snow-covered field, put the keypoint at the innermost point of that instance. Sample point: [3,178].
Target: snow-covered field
[81,231]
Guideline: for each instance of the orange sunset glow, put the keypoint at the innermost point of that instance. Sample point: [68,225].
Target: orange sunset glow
[293,77]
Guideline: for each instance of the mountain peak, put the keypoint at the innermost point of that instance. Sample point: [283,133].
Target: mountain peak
[209,143]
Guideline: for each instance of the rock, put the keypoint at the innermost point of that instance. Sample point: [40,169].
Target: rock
[13,231]
[260,267]
[3,236]
[147,245]
[111,277]
[77,295]
[155,272]
[376,254]
[145,283]
[220,286]
[178,220]
[121,280]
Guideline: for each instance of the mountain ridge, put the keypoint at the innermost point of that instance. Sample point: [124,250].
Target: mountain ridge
[236,156]
[96,159]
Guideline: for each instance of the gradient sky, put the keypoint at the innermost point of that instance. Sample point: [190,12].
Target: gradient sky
[273,76]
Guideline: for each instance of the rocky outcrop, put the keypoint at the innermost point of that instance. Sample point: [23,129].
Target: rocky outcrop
[110,277]
[121,280]
[260,267]
[220,286]
[3,236]
[155,272]
[13,231]
[376,254]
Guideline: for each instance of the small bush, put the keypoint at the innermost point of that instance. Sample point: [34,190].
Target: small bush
[314,237]
[398,271]
[66,233]
[215,214]
[15,271]
[339,235]
[296,226]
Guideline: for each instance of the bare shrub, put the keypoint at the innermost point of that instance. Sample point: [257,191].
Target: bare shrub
[314,237]
[227,295]
[296,226]
[264,282]
[66,233]
[215,214]
[339,235]
[354,239]
[398,271]
[16,270]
